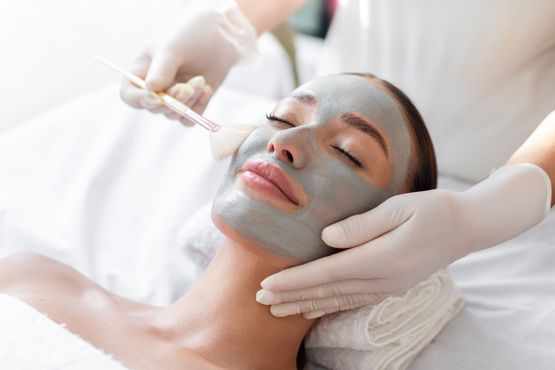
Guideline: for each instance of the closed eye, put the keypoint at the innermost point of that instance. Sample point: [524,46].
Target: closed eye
[271,117]
[347,155]
[343,152]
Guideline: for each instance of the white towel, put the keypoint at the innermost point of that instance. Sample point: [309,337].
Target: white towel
[386,336]
[29,341]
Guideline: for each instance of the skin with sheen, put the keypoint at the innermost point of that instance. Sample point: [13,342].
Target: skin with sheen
[333,188]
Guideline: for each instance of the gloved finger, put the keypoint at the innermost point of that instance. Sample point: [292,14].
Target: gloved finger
[186,122]
[194,99]
[370,261]
[191,93]
[161,110]
[317,272]
[162,71]
[334,289]
[316,314]
[172,116]
[129,92]
[330,303]
[181,91]
[359,229]
[141,63]
[198,83]
[203,100]
[152,102]
[132,95]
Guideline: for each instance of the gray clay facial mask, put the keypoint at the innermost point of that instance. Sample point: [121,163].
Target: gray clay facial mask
[333,187]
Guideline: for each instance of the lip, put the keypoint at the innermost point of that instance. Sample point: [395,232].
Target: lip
[275,176]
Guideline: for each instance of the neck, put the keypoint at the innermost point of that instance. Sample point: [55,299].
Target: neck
[220,319]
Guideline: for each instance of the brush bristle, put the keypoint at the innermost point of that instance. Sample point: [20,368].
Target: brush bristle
[227,140]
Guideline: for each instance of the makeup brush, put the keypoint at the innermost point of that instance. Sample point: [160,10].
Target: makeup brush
[224,140]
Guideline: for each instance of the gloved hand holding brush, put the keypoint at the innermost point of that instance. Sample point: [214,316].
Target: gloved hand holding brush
[193,58]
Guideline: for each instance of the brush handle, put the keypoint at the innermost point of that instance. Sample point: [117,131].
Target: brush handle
[184,111]
[168,101]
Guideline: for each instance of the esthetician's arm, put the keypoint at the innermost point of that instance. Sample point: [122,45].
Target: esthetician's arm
[209,38]
[264,15]
[410,236]
[540,150]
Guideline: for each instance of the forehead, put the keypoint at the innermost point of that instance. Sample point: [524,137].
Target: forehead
[338,94]
[339,85]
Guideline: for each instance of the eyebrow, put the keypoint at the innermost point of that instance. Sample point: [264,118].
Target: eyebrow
[304,98]
[365,127]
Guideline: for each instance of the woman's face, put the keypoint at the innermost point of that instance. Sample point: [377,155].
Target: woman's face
[335,147]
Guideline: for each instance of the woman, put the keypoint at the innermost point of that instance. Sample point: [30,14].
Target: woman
[481,73]
[336,146]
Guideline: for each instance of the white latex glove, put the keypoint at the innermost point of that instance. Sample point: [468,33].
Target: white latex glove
[210,37]
[406,239]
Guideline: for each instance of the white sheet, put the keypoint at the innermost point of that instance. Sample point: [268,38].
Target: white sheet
[29,340]
[105,189]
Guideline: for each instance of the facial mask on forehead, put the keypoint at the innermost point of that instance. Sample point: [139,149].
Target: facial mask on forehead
[335,189]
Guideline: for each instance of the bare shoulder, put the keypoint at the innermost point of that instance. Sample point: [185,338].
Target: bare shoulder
[21,269]
[93,313]
[40,281]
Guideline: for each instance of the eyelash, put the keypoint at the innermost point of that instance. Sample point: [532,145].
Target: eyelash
[271,117]
[348,155]
[338,149]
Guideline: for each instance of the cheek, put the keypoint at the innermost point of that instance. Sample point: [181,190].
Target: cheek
[378,169]
[339,192]
[255,143]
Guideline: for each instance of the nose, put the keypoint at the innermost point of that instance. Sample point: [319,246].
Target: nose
[291,146]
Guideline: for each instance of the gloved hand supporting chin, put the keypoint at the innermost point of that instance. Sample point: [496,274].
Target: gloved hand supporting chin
[394,246]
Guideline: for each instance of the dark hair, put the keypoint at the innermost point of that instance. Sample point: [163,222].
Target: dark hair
[423,172]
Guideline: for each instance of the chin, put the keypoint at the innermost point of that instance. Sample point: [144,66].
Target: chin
[221,225]
[243,242]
